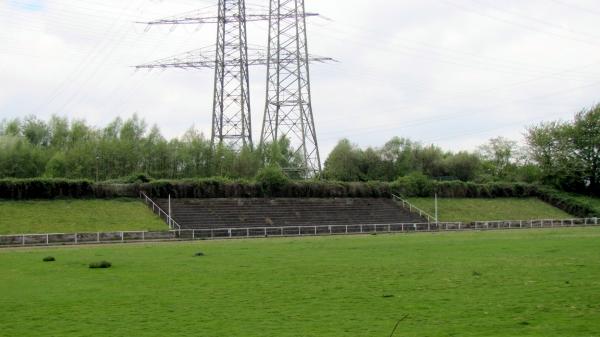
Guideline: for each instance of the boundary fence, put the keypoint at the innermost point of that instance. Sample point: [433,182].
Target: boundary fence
[30,240]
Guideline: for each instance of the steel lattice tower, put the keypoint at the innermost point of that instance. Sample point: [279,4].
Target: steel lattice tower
[288,111]
[231,117]
[231,103]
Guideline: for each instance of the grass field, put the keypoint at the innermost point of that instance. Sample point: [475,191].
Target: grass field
[469,210]
[71,216]
[542,283]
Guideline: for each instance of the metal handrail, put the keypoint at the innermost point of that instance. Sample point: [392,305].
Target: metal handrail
[414,209]
[155,207]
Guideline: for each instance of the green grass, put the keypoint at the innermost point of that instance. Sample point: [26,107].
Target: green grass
[469,210]
[542,283]
[71,216]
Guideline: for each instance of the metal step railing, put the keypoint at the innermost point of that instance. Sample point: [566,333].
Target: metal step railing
[414,209]
[173,225]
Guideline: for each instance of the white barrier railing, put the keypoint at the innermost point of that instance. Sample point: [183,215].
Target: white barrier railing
[285,231]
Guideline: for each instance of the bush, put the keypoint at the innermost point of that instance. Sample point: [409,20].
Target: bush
[100,265]
[567,203]
[415,185]
[49,259]
[272,180]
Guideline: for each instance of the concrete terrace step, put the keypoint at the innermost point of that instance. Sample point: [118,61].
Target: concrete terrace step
[238,213]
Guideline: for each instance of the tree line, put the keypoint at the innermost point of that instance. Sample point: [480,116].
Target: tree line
[564,154]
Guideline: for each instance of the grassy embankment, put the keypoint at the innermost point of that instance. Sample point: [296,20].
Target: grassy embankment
[469,210]
[72,216]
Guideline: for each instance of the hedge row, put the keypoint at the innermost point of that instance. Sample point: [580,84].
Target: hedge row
[568,203]
[17,189]
[23,189]
[326,189]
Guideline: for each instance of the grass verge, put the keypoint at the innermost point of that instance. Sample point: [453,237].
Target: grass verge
[71,216]
[469,210]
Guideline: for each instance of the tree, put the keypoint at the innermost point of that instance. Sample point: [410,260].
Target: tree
[499,155]
[343,162]
[36,131]
[585,136]
[464,166]
[569,153]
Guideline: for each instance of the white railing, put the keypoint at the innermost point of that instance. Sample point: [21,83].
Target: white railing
[285,231]
[414,209]
[173,225]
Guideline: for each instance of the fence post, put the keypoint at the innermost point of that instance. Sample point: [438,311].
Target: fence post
[193,234]
[389,228]
[247,232]
[122,237]
[361,229]
[230,233]
[265,232]
[76,241]
[144,236]
[595,221]
[212,233]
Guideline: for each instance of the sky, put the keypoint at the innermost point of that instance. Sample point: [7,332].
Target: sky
[449,72]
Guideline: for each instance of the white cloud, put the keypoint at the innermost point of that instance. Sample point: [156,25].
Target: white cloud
[454,72]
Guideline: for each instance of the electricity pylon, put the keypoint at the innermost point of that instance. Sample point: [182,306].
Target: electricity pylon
[288,111]
[231,115]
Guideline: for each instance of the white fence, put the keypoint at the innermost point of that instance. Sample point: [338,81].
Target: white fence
[293,231]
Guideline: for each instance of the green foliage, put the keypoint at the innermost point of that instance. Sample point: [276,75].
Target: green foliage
[568,154]
[20,159]
[100,265]
[18,189]
[344,163]
[571,204]
[49,259]
[271,179]
[415,184]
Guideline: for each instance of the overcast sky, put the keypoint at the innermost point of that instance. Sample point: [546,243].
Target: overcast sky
[450,72]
